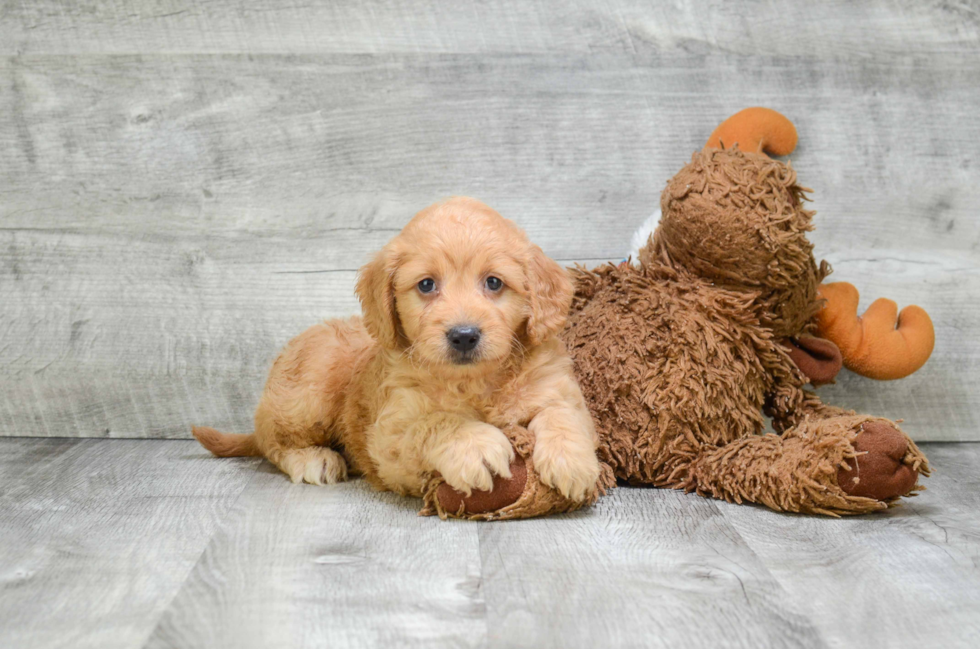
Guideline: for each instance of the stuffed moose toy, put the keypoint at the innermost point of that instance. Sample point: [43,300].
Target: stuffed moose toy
[720,324]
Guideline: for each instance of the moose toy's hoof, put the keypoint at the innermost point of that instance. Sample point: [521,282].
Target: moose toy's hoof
[879,473]
[505,491]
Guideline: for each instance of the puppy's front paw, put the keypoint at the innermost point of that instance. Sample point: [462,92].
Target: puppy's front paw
[569,467]
[469,459]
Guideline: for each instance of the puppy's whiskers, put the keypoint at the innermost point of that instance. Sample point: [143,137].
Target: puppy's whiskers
[521,349]
[413,358]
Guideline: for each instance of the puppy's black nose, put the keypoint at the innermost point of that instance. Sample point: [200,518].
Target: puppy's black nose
[464,338]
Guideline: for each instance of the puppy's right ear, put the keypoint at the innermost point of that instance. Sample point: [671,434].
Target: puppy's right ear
[376,291]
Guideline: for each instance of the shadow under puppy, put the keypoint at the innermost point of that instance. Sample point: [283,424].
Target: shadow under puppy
[458,340]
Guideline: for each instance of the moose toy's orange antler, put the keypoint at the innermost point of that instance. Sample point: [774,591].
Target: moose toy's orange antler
[756,130]
[873,345]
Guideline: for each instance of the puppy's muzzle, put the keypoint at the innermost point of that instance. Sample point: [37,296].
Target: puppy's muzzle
[464,340]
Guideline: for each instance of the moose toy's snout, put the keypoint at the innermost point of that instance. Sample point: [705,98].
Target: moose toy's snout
[818,358]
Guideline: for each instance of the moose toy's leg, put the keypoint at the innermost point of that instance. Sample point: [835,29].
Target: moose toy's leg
[887,465]
[848,464]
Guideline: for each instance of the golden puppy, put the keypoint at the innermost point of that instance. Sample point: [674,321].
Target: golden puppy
[458,340]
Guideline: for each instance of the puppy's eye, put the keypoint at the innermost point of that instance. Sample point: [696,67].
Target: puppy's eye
[494,283]
[427,285]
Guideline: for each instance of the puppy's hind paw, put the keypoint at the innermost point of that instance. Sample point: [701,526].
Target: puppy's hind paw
[316,465]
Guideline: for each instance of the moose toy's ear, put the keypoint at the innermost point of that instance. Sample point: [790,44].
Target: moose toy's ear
[549,290]
[882,344]
[376,291]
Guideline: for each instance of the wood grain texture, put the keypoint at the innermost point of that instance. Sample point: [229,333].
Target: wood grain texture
[96,537]
[835,29]
[909,577]
[153,543]
[644,567]
[185,186]
[335,566]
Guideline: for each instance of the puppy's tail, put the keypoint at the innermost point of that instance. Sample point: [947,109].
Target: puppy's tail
[226,444]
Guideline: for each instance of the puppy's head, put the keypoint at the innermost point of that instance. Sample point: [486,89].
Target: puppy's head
[461,288]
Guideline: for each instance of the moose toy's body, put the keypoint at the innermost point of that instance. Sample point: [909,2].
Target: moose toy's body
[682,355]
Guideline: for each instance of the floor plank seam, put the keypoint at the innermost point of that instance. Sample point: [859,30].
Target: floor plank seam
[483,581]
[766,572]
[207,544]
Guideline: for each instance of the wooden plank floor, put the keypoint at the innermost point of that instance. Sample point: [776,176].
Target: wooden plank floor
[152,543]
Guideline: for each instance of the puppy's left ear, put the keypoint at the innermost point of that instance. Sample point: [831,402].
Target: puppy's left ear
[375,289]
[549,290]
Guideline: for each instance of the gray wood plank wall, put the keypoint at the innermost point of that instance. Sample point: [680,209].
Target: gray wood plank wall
[184,186]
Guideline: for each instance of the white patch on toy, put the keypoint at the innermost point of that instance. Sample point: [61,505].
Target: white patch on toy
[642,234]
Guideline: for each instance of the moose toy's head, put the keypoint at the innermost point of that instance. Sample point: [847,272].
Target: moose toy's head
[736,217]
[737,220]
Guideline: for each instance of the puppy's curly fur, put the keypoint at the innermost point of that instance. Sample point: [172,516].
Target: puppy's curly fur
[390,397]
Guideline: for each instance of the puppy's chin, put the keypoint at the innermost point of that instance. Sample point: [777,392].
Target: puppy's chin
[463,359]
[476,362]
[460,363]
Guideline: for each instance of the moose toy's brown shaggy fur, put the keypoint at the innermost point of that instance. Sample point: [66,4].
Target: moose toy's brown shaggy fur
[681,356]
